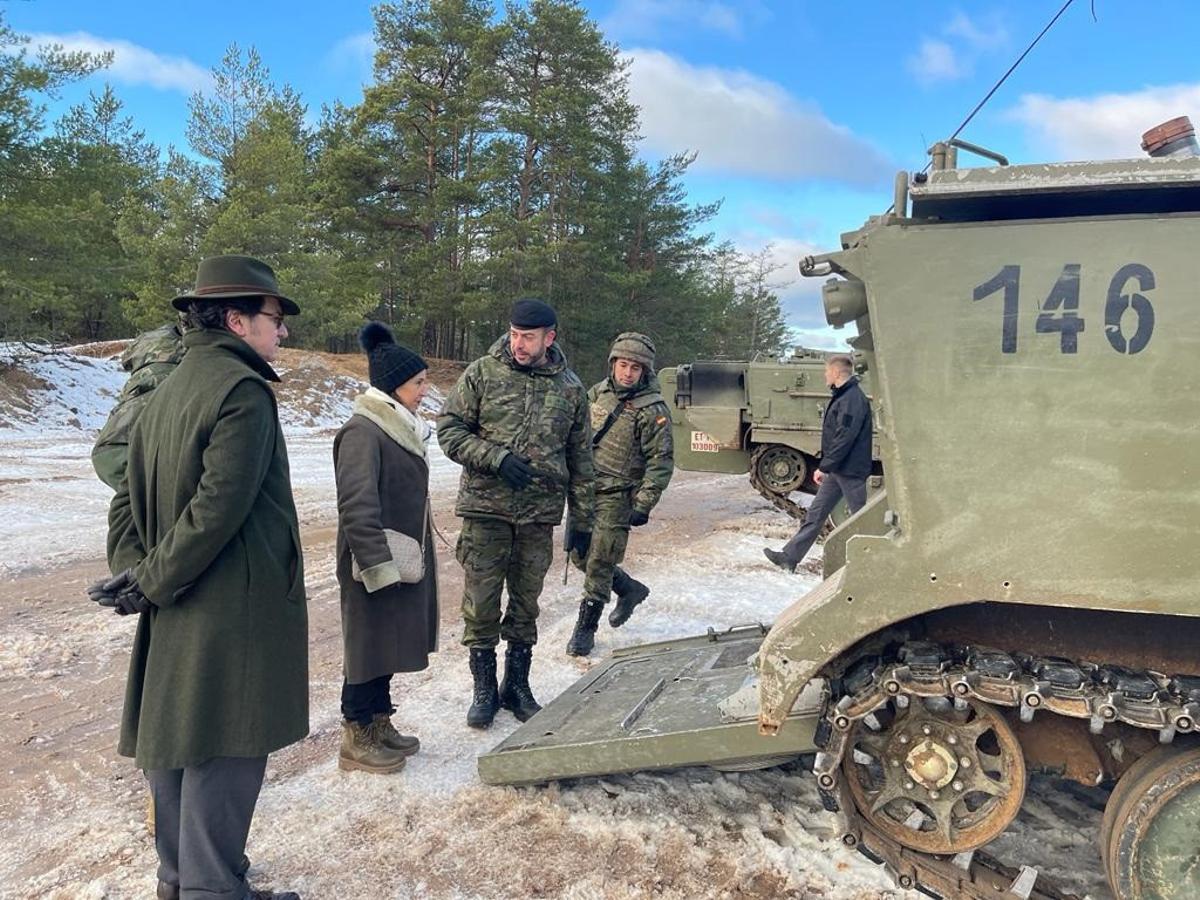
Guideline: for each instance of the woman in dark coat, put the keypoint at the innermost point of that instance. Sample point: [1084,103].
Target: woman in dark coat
[388,626]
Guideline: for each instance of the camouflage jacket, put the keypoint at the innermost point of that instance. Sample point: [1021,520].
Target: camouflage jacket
[498,407]
[635,451]
[149,359]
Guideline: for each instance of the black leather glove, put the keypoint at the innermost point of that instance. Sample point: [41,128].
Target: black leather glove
[637,518]
[120,593]
[579,542]
[517,472]
[130,603]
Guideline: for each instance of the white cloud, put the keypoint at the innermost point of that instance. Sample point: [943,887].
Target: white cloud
[953,55]
[1107,126]
[936,61]
[355,52]
[742,124]
[133,64]
[650,18]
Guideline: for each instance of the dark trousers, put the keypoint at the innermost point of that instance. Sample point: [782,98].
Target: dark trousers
[201,819]
[829,492]
[362,702]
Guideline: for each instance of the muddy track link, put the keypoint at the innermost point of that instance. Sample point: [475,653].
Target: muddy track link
[957,677]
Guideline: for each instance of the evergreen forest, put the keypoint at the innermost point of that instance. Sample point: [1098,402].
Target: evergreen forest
[493,155]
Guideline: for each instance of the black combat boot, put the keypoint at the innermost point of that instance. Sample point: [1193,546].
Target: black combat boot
[630,592]
[515,695]
[485,701]
[583,638]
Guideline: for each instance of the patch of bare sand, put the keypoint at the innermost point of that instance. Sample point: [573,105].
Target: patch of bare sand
[18,388]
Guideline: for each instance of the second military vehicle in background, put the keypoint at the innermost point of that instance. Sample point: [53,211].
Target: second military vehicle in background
[762,417]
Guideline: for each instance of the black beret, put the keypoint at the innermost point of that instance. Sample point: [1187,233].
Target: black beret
[530,313]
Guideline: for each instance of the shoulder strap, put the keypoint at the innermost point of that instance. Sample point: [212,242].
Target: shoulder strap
[609,401]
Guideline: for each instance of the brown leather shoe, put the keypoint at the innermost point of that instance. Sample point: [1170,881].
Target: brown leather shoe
[167,891]
[408,744]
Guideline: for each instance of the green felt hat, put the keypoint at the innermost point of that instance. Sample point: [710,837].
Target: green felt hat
[230,277]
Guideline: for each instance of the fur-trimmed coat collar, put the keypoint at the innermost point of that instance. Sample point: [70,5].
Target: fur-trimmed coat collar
[407,429]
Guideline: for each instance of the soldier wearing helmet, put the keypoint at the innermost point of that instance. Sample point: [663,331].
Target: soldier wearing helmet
[633,458]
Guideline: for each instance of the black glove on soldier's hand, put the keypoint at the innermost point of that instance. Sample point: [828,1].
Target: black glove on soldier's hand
[516,472]
[579,542]
[637,518]
[120,593]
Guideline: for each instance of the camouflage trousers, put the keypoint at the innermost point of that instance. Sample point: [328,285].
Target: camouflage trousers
[610,536]
[493,554]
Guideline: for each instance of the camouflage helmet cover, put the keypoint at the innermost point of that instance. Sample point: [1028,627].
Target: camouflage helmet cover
[635,346]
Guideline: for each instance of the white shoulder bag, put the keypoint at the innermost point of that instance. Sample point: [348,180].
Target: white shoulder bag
[407,554]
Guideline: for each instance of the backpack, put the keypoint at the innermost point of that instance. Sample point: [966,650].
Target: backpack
[149,360]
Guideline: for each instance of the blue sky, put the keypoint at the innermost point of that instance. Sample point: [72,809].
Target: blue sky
[801,112]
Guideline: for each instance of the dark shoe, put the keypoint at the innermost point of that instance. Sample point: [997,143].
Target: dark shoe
[630,592]
[362,751]
[583,638]
[779,559]
[515,695]
[408,744]
[167,891]
[485,701]
[272,895]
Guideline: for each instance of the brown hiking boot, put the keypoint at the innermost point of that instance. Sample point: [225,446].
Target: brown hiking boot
[408,744]
[362,751]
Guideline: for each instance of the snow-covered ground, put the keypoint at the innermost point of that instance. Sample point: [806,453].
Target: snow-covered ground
[50,497]
[72,826]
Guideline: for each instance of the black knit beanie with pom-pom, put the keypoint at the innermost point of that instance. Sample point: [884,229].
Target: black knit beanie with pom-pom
[388,363]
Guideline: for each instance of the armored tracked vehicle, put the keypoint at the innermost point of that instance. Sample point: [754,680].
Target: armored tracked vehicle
[762,417]
[1024,593]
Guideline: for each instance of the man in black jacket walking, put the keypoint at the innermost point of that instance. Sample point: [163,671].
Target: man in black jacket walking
[845,460]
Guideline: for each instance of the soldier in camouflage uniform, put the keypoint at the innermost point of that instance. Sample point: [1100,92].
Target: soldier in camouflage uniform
[633,456]
[149,360]
[517,422]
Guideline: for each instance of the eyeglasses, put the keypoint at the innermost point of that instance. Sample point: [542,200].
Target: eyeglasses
[277,318]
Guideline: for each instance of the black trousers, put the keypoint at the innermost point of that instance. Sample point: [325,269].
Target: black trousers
[201,819]
[362,702]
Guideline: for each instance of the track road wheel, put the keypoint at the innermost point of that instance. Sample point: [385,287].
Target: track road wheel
[1126,786]
[780,469]
[936,778]
[1150,835]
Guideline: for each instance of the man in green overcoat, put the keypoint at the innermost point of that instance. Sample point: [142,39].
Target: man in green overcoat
[204,535]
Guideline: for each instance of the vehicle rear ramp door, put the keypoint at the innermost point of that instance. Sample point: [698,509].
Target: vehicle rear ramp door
[655,706]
